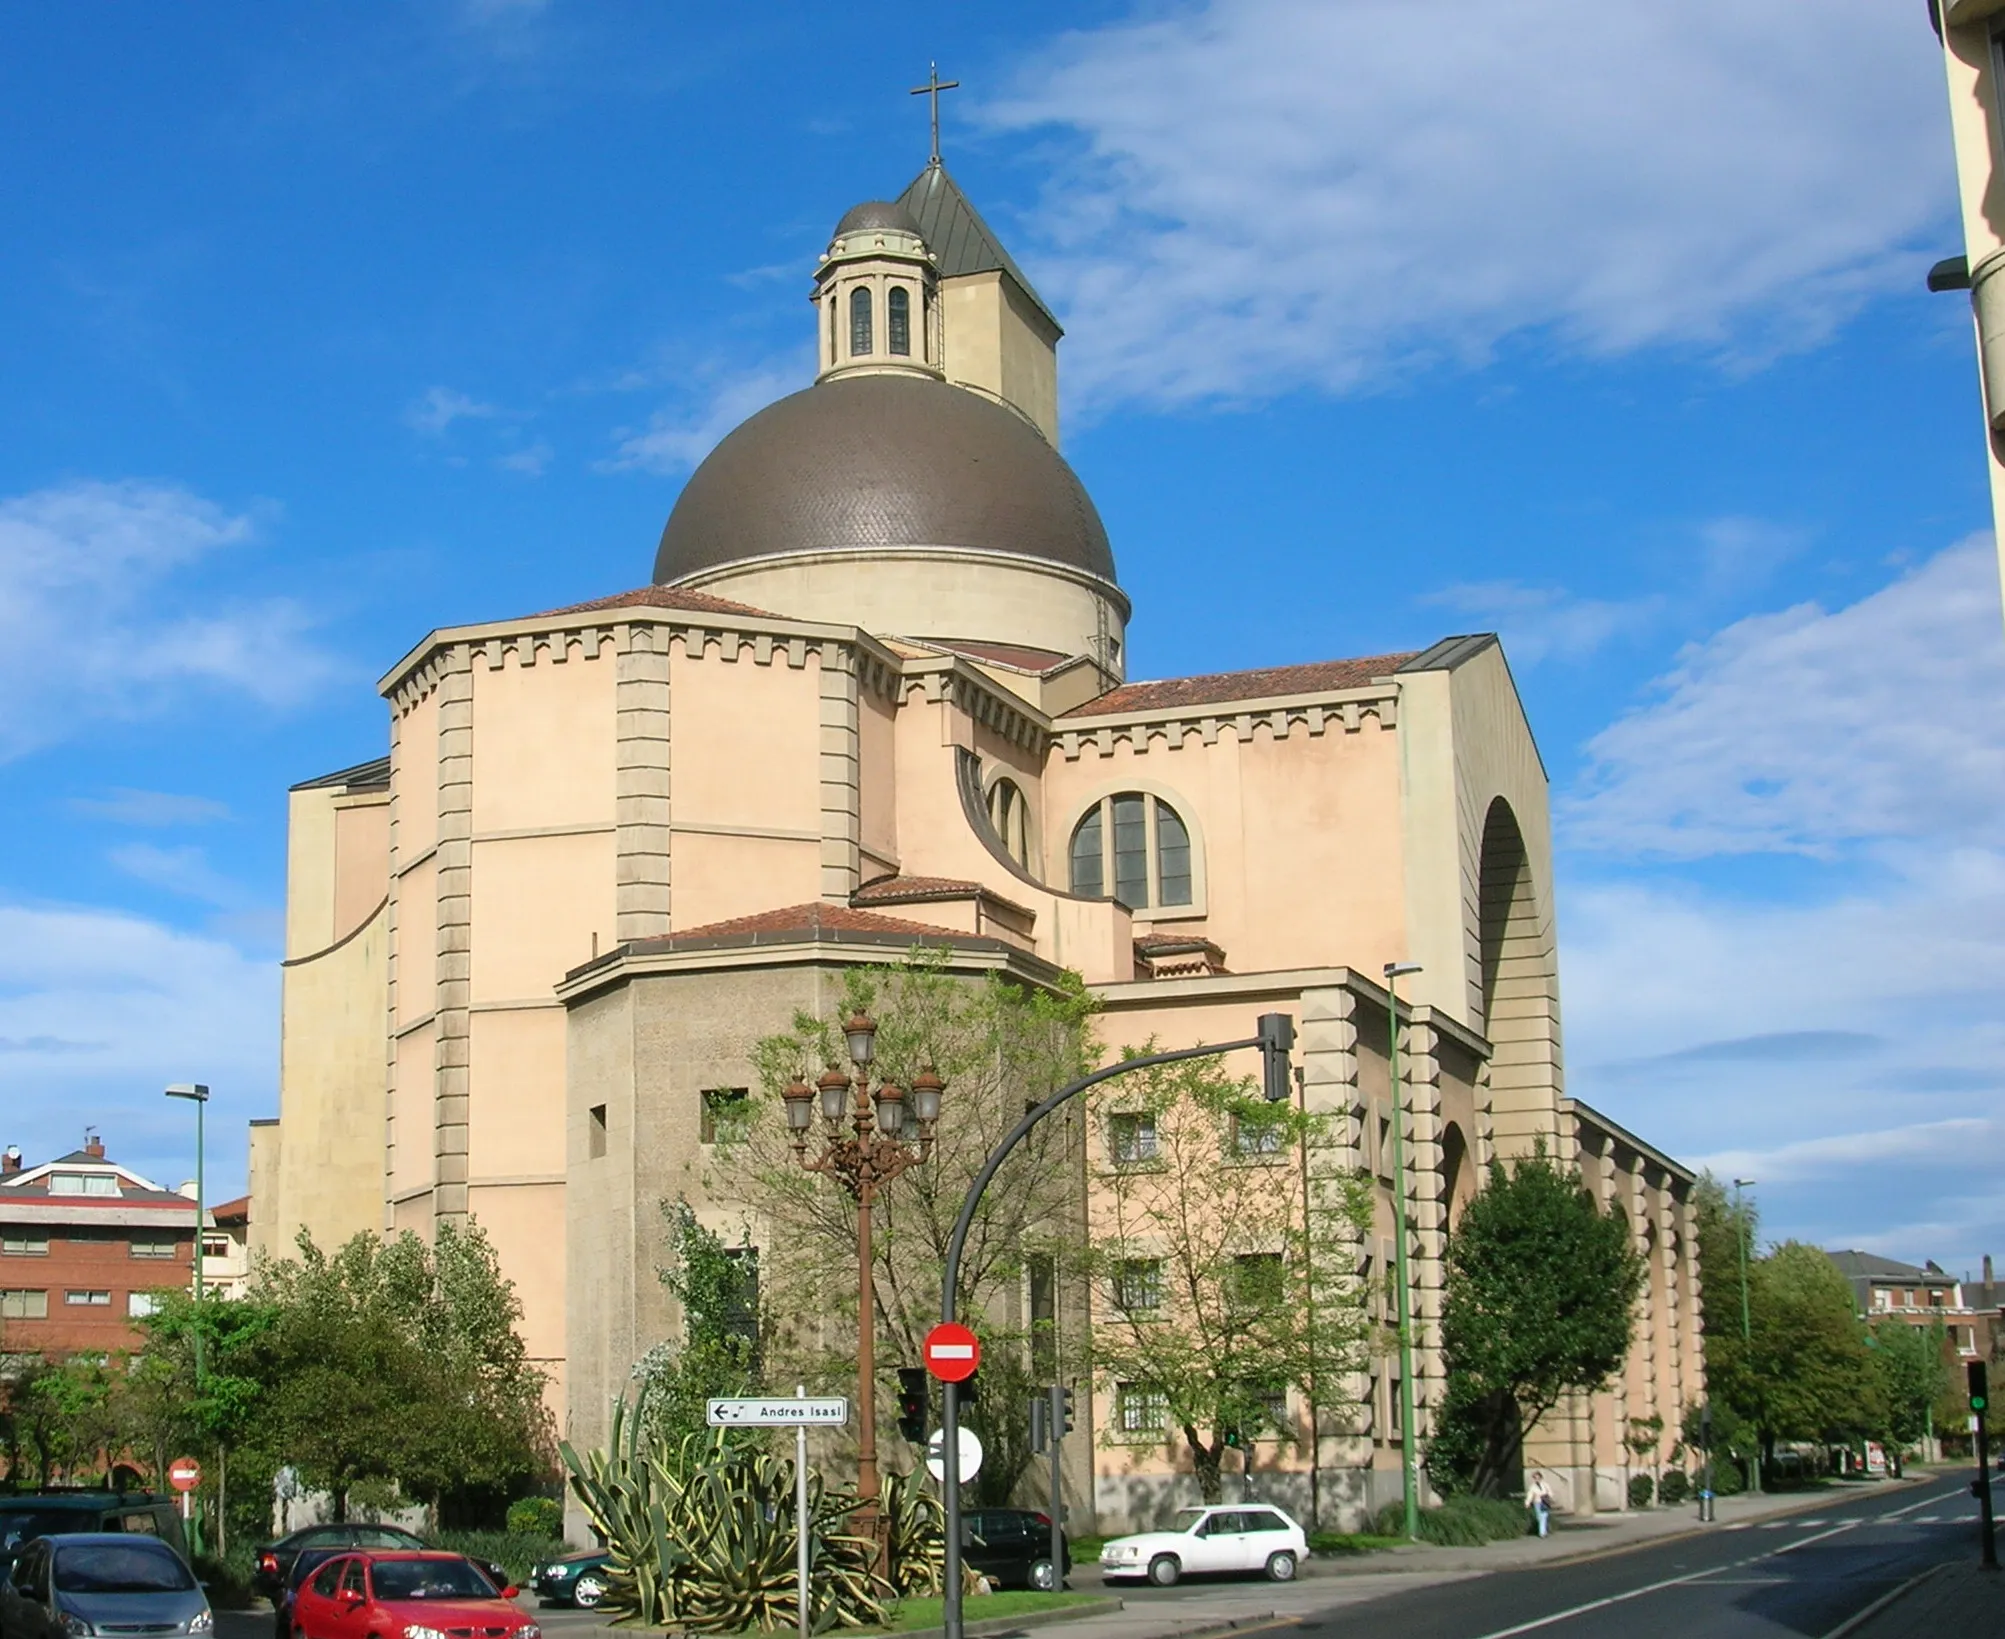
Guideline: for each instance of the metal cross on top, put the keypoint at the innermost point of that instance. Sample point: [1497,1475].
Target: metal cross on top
[932,88]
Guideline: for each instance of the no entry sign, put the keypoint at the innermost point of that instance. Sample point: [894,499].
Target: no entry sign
[952,1352]
[184,1474]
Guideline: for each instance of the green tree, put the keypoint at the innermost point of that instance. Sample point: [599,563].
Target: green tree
[999,1047]
[1539,1303]
[718,1356]
[1913,1367]
[1218,1298]
[1728,1231]
[1815,1375]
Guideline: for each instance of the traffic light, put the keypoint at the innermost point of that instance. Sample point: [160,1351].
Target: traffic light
[1980,1395]
[1040,1421]
[1064,1412]
[1276,1033]
[967,1390]
[912,1403]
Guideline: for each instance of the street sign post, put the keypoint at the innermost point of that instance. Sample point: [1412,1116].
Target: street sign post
[952,1352]
[184,1474]
[775,1413]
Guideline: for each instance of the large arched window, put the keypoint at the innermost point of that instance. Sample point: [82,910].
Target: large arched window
[898,320]
[859,321]
[1009,814]
[1134,847]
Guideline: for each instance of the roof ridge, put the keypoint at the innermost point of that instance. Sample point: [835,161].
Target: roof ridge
[1252,683]
[933,197]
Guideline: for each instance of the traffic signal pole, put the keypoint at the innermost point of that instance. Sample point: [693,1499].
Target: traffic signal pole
[1980,1398]
[1055,1425]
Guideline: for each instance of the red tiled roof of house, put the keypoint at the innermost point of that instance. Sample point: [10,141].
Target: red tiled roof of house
[815,918]
[1018,655]
[659,597]
[911,890]
[232,1211]
[1221,688]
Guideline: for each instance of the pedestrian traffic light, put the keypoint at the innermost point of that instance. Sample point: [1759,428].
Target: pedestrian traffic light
[1980,1395]
[912,1403]
[1040,1421]
[1064,1412]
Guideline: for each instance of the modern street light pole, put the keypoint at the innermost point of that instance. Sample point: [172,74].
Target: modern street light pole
[863,1164]
[1275,1037]
[197,1093]
[1409,1472]
[1746,1314]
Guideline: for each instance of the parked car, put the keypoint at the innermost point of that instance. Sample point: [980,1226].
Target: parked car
[65,1513]
[112,1582]
[1012,1547]
[304,1564]
[1247,1538]
[376,1592]
[576,1579]
[272,1564]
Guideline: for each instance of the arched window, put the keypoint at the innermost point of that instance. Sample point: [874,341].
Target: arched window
[1010,816]
[859,321]
[1134,847]
[898,320]
[833,322]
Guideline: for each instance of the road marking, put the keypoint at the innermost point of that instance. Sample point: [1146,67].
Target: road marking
[1926,1502]
[1859,1619]
[1669,1582]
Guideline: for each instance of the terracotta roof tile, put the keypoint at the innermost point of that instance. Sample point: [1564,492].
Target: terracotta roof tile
[659,597]
[1016,655]
[1220,688]
[812,919]
[912,890]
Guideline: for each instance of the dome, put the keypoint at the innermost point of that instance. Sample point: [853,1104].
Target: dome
[877,213]
[882,461]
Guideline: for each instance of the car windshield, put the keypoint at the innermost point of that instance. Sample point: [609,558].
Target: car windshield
[430,1579]
[134,1567]
[22,1525]
[1188,1518]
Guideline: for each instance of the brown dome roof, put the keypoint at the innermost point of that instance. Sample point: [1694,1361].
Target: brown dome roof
[876,213]
[882,461]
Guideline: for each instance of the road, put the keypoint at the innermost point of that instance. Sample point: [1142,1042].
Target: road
[1803,1575]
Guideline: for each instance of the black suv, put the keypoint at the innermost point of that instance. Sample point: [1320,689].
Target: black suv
[28,1515]
[1012,1547]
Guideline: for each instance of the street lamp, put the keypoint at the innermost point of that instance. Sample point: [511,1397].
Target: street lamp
[1409,1476]
[198,1095]
[863,1159]
[1746,1317]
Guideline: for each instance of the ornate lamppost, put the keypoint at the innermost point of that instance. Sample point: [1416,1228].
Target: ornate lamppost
[863,1160]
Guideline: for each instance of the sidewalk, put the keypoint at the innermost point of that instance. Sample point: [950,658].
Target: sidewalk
[1957,1599]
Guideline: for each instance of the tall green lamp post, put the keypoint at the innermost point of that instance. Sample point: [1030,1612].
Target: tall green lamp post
[1409,1468]
[1746,1314]
[197,1094]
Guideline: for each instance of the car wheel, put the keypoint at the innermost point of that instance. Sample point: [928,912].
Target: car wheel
[1043,1577]
[1281,1567]
[590,1590]
[1164,1570]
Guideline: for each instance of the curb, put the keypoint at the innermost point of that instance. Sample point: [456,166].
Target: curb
[991,1626]
[1852,1624]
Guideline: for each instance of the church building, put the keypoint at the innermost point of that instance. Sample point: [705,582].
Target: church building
[876,694]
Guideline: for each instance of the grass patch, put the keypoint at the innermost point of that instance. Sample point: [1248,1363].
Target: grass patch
[914,1614]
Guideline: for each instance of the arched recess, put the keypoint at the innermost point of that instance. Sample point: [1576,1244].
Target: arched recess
[1520,978]
[1458,1173]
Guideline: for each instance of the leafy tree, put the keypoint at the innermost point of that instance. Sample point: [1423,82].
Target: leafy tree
[1218,1298]
[1000,1047]
[1728,1231]
[1913,1367]
[1816,1376]
[718,1355]
[1539,1302]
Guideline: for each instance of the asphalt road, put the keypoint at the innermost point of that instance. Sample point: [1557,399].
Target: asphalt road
[1804,1575]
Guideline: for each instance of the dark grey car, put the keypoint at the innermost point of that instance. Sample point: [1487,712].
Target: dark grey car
[123,1583]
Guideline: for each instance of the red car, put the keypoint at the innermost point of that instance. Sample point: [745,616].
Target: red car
[402,1595]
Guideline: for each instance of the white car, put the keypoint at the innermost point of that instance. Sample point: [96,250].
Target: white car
[1248,1537]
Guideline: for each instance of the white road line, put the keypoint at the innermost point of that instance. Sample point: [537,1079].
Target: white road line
[1926,1502]
[1668,1582]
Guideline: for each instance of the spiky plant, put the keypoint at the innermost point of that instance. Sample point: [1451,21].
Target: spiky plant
[917,1537]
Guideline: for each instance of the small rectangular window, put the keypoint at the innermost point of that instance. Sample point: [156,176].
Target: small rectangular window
[1139,1410]
[141,1304]
[90,1299]
[1254,1136]
[1258,1281]
[25,1243]
[595,1132]
[1132,1139]
[19,1305]
[724,1112]
[150,1243]
[1138,1285]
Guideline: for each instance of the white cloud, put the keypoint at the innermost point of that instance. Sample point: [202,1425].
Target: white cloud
[90,625]
[100,1010]
[675,439]
[185,871]
[532,460]
[124,806]
[440,407]
[1960,1141]
[1266,194]
[1542,622]
[1809,731]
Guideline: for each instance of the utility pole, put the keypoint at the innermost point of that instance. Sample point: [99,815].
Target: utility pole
[1746,1314]
[1409,1468]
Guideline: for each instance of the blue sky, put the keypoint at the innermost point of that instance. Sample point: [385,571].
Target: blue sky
[326,325]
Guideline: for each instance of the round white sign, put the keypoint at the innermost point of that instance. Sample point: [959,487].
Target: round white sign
[971,1454]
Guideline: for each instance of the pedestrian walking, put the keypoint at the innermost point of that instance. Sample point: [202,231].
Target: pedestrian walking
[1539,1500]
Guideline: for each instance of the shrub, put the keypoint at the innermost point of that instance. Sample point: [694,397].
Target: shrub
[1460,1522]
[1674,1487]
[1642,1490]
[513,1551]
[228,1580]
[1728,1480]
[536,1517]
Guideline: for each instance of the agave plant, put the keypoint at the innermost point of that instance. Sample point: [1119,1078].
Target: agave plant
[700,1535]
[917,1548]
